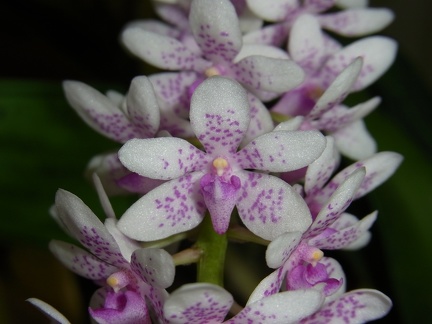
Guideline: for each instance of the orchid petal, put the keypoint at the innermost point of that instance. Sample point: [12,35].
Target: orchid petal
[162,51]
[378,54]
[109,169]
[80,261]
[87,228]
[363,239]
[126,245]
[357,22]
[379,168]
[282,151]
[99,112]
[275,10]
[338,89]
[155,26]
[247,19]
[352,3]
[262,50]
[340,116]
[269,207]
[334,270]
[306,43]
[270,285]
[260,120]
[178,157]
[175,15]
[154,266]
[280,249]
[198,303]
[282,308]
[50,311]
[133,182]
[357,306]
[220,115]
[338,202]
[320,171]
[103,198]
[274,35]
[172,88]
[175,125]
[216,29]
[316,6]
[295,102]
[174,207]
[142,106]
[292,124]
[346,236]
[354,141]
[260,73]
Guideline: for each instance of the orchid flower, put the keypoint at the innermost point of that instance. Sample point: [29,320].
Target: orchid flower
[264,70]
[331,75]
[131,273]
[217,178]
[355,21]
[207,303]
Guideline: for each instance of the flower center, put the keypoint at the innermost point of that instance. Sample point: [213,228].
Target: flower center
[214,70]
[220,165]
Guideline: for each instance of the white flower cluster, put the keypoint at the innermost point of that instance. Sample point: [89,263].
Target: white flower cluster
[239,140]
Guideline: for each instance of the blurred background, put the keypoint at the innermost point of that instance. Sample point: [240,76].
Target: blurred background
[44,146]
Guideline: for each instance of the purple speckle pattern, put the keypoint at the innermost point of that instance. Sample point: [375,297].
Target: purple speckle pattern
[101,245]
[199,303]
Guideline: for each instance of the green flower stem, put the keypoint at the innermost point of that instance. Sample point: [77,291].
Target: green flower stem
[242,234]
[213,247]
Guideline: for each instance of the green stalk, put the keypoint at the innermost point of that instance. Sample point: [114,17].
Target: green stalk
[213,247]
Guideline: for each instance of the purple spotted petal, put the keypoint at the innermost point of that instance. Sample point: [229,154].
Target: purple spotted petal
[274,34]
[281,308]
[49,311]
[260,73]
[174,207]
[379,168]
[280,249]
[357,22]
[354,141]
[275,10]
[162,51]
[338,89]
[260,120]
[364,238]
[269,207]
[216,29]
[80,261]
[338,202]
[357,306]
[198,303]
[99,112]
[220,115]
[282,151]
[142,106]
[178,157]
[378,54]
[320,171]
[340,116]
[154,266]
[306,43]
[270,285]
[345,236]
[172,90]
[87,228]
